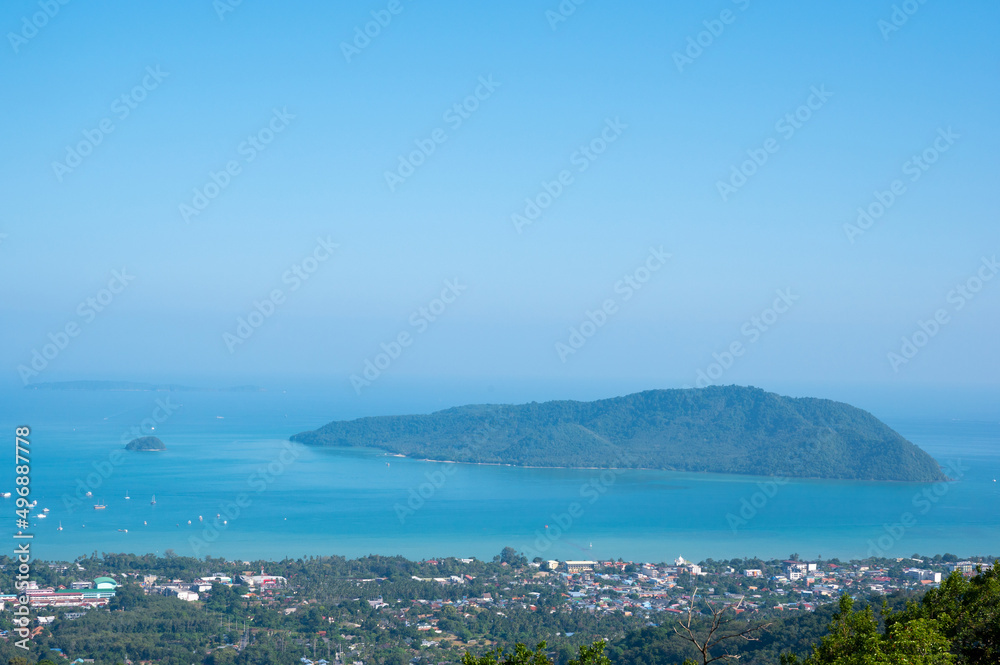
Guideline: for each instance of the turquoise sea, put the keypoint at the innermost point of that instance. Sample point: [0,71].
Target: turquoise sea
[229,455]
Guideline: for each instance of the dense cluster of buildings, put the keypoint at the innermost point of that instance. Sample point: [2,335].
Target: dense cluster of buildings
[192,590]
[85,594]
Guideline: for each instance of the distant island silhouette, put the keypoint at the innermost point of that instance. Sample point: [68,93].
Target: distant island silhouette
[147,444]
[131,386]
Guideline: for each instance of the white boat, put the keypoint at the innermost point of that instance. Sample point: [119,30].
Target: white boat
[60,527]
[90,494]
[6,495]
[45,510]
[127,497]
[41,516]
[153,502]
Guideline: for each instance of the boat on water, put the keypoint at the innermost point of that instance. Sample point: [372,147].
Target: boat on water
[99,506]
[153,502]
[45,510]
[60,527]
[90,494]
[41,516]
[127,497]
[6,495]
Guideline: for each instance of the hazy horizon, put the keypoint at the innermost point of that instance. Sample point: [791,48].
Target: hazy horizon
[611,114]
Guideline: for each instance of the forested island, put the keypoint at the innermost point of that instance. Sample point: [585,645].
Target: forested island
[731,429]
[146,444]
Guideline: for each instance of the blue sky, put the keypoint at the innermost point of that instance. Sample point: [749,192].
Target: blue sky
[554,90]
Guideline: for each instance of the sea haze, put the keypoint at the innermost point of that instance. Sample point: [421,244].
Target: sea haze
[228,452]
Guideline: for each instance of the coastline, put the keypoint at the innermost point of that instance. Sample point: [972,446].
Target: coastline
[647,468]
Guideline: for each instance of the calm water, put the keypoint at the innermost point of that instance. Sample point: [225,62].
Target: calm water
[229,451]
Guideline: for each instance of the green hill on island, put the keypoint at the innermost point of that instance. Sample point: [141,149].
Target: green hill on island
[146,443]
[731,429]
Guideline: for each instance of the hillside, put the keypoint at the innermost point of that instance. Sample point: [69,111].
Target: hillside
[717,429]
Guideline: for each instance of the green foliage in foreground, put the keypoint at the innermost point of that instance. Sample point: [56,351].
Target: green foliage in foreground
[728,429]
[522,655]
[957,623]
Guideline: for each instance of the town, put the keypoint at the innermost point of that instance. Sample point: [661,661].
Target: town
[381,610]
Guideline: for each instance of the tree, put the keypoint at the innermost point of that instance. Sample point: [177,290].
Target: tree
[855,639]
[225,656]
[718,631]
[520,656]
[918,642]
[510,557]
[967,613]
[127,597]
[592,655]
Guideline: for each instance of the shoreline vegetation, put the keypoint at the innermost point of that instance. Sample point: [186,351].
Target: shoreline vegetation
[723,430]
[614,468]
